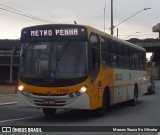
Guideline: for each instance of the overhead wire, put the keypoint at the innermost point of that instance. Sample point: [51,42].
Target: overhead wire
[18,12]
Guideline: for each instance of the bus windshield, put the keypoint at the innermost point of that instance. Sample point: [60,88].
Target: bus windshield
[54,60]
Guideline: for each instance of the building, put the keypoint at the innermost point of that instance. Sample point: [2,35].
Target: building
[9,61]
[152,45]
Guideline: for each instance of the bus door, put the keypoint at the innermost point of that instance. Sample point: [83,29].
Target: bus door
[94,69]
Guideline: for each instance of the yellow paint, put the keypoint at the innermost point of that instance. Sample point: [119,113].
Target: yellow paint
[54,90]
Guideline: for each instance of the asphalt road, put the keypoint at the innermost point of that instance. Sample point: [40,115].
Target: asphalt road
[146,113]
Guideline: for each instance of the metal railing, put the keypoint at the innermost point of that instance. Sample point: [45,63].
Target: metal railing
[140,36]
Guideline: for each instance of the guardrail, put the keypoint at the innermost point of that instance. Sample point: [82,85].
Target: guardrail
[140,36]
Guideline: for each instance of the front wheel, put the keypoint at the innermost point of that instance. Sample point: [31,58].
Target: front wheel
[49,112]
[105,105]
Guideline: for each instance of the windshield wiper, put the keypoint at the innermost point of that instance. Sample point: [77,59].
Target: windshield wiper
[60,52]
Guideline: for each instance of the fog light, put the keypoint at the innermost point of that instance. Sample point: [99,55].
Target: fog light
[71,95]
[77,93]
[20,88]
[27,94]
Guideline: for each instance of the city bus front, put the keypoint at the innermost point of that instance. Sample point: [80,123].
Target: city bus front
[54,69]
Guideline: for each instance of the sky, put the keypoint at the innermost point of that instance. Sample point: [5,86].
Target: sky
[87,12]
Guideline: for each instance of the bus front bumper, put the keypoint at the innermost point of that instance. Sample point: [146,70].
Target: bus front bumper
[38,101]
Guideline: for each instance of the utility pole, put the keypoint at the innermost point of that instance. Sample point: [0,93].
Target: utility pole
[117,32]
[112,27]
[104,17]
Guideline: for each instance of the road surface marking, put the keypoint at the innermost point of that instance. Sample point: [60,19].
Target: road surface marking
[8,103]
[11,120]
[2,95]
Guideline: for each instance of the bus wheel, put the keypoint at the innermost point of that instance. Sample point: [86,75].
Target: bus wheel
[133,101]
[49,112]
[105,105]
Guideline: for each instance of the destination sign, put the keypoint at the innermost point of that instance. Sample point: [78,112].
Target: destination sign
[56,32]
[51,32]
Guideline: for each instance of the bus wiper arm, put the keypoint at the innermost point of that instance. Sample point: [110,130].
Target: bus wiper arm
[60,53]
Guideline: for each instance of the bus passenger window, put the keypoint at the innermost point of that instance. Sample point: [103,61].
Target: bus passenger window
[113,51]
[106,56]
[126,57]
[94,56]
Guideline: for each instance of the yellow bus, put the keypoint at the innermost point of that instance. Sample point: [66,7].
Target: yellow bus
[78,67]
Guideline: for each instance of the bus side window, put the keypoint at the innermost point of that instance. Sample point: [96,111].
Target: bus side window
[106,56]
[120,63]
[144,61]
[113,51]
[132,59]
[126,57]
[94,56]
[140,60]
[137,60]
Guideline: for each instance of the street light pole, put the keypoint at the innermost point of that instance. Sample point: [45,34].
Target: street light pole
[112,27]
[104,17]
[131,16]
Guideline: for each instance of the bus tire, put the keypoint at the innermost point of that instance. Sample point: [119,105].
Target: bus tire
[49,112]
[100,112]
[133,102]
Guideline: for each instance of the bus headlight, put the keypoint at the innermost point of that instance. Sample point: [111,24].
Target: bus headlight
[83,90]
[78,93]
[20,87]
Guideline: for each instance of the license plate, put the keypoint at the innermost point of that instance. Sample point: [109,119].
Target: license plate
[49,102]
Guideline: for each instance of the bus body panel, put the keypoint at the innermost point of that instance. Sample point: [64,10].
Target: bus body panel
[61,102]
[125,81]
[35,95]
[54,90]
[108,81]
[121,83]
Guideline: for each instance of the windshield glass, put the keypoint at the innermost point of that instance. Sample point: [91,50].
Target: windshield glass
[54,60]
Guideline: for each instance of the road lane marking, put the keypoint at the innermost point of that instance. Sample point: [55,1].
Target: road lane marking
[2,95]
[8,103]
[11,120]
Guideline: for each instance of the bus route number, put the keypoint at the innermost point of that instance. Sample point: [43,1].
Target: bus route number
[63,90]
